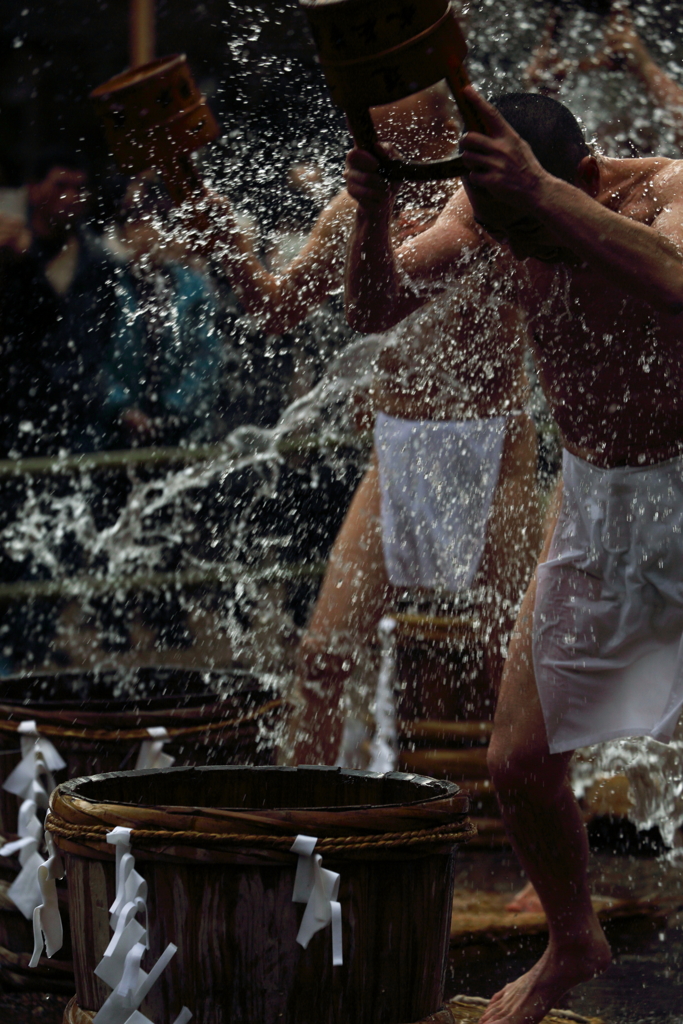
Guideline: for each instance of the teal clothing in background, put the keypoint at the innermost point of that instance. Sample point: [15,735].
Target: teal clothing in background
[165,357]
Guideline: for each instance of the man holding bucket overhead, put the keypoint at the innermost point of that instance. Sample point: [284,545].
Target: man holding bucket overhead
[595,250]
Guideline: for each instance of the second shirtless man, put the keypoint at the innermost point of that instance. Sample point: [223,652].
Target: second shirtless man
[595,248]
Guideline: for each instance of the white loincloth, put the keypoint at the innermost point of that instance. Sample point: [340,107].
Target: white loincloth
[608,621]
[437,481]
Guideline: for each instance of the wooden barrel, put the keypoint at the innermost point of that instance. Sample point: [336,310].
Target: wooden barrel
[213,845]
[16,947]
[97,719]
[212,717]
[374,54]
[444,708]
[155,116]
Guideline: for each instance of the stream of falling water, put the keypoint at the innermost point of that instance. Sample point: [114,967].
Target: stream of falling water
[229,516]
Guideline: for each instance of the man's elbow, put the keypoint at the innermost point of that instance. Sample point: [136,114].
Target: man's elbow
[368,321]
[671,301]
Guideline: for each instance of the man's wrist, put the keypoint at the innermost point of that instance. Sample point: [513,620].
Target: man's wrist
[646,69]
[376,215]
[547,197]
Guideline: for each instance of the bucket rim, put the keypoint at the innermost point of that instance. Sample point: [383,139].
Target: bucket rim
[131,78]
[211,678]
[435,789]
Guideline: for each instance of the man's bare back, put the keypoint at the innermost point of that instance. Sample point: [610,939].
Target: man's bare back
[459,357]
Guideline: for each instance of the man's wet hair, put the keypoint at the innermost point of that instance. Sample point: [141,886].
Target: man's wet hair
[551,130]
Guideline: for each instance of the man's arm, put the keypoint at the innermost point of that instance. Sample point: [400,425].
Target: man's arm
[281,301]
[644,260]
[623,48]
[378,278]
[548,68]
[15,235]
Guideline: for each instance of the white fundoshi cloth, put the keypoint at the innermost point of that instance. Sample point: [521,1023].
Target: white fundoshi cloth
[437,481]
[608,620]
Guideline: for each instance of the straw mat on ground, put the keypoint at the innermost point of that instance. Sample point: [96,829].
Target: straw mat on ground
[461,1010]
[468,1010]
[480,916]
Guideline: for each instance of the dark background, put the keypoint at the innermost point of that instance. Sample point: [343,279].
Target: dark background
[255,62]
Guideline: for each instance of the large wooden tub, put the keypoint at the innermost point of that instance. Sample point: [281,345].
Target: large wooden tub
[97,719]
[213,845]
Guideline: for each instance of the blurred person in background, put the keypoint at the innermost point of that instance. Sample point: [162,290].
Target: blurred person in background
[161,372]
[57,309]
[621,49]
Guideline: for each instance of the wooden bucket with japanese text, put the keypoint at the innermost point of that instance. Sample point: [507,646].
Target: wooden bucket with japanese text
[213,845]
[155,116]
[377,53]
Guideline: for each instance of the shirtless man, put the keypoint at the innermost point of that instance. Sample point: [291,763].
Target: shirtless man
[600,267]
[430,370]
[449,400]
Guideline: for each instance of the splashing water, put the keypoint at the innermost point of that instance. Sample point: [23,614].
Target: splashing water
[655,776]
[238,518]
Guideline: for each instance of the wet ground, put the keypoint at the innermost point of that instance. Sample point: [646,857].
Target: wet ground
[30,1007]
[645,982]
[643,986]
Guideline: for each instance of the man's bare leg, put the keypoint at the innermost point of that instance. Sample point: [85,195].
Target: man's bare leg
[351,602]
[545,826]
[526,901]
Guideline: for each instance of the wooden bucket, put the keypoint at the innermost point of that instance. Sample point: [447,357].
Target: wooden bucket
[224,717]
[16,947]
[380,52]
[212,717]
[213,845]
[444,708]
[155,116]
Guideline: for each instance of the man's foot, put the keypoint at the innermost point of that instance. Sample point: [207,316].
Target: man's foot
[526,901]
[531,997]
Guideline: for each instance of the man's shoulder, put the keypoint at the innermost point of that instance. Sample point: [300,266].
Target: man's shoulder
[659,183]
[668,179]
[340,208]
[663,171]
[643,188]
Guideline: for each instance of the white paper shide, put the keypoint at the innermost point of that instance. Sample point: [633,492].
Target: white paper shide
[318,888]
[120,966]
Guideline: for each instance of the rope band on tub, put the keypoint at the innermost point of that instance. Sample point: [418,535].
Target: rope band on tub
[458,832]
[121,735]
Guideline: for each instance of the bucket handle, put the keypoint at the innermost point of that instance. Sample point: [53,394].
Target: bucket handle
[402,169]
